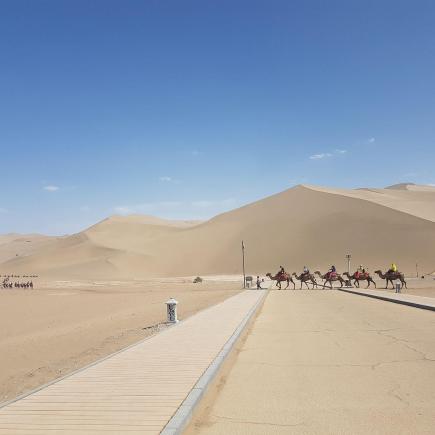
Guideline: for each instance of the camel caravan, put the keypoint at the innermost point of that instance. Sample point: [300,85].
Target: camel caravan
[8,284]
[345,279]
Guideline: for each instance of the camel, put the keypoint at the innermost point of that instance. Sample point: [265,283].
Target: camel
[304,278]
[282,277]
[328,277]
[360,277]
[391,277]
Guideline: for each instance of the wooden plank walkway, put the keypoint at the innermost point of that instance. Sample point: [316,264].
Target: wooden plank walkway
[135,391]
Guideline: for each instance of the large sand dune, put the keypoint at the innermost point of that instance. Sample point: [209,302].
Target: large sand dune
[305,225]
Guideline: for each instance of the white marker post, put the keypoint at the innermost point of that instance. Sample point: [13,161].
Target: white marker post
[171,308]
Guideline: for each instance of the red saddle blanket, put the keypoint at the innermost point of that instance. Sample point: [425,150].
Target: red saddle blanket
[360,275]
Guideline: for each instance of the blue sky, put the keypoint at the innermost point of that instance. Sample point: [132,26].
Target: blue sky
[184,109]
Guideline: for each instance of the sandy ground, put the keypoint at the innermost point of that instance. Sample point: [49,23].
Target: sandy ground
[326,362]
[61,326]
[416,286]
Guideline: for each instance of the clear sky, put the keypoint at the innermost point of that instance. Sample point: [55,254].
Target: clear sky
[184,109]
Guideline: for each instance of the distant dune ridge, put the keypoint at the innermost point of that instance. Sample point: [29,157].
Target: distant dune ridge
[304,225]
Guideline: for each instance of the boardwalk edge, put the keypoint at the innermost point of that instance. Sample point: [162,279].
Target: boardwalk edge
[181,418]
[390,299]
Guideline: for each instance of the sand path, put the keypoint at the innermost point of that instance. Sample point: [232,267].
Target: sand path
[327,362]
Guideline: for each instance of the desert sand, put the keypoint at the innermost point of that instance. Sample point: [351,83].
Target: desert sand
[98,289]
[304,225]
[326,363]
[62,326]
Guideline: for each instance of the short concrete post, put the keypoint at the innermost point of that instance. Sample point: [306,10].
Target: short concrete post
[398,287]
[171,308]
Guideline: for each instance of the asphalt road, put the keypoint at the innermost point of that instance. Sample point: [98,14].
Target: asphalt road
[327,362]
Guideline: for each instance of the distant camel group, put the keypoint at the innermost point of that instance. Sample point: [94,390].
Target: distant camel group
[9,284]
[19,276]
[330,277]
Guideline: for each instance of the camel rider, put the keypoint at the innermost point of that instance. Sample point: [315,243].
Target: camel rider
[393,268]
[332,271]
[281,271]
[306,271]
[360,271]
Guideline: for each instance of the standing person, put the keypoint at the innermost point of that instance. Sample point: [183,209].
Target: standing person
[259,283]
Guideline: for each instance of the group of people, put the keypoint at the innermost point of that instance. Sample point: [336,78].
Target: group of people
[333,271]
[306,271]
[9,284]
[19,276]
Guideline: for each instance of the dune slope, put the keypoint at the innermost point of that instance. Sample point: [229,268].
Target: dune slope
[19,245]
[304,225]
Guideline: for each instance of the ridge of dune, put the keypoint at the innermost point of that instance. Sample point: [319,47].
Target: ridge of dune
[10,237]
[421,188]
[400,186]
[150,220]
[412,187]
[415,200]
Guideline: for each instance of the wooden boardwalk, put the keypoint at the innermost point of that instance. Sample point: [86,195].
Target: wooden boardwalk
[136,391]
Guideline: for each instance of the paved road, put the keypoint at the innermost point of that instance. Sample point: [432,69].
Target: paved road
[327,362]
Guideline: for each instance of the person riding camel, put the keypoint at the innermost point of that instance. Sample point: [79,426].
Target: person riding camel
[281,271]
[332,271]
[393,268]
[360,271]
[306,271]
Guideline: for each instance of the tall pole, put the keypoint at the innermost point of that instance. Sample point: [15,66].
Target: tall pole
[243,258]
[348,256]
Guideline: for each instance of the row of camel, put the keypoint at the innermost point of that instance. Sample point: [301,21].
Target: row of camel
[9,284]
[329,278]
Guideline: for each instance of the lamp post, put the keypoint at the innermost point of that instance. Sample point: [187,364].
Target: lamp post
[348,257]
[243,264]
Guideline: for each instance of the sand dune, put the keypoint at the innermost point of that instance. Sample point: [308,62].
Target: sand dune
[308,225]
[18,245]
